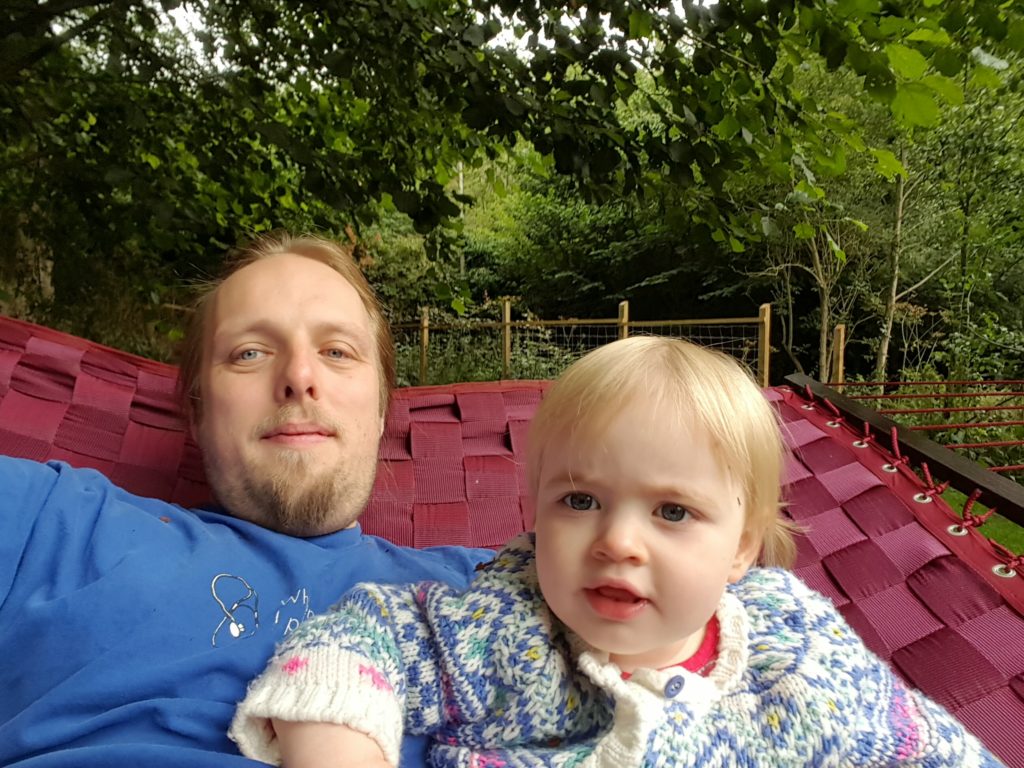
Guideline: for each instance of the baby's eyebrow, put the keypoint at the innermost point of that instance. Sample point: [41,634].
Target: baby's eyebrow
[567,478]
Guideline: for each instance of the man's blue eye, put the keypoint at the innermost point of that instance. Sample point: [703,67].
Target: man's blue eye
[336,354]
[248,354]
[580,501]
[674,513]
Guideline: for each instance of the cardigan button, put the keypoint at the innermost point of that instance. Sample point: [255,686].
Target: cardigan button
[674,686]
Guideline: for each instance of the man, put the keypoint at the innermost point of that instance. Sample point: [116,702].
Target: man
[129,627]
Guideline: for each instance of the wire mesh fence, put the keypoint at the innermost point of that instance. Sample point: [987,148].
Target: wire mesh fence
[488,348]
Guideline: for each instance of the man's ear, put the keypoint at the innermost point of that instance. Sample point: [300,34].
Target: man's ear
[747,553]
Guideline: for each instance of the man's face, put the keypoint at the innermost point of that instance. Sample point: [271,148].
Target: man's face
[290,419]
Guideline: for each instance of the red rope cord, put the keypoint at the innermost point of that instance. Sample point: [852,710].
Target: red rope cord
[957,409]
[935,395]
[932,489]
[992,444]
[972,520]
[1006,468]
[1010,560]
[895,437]
[832,409]
[967,425]
[976,382]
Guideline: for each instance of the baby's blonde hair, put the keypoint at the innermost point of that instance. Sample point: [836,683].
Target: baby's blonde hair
[700,387]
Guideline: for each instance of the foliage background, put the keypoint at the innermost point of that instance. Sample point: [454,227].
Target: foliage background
[852,161]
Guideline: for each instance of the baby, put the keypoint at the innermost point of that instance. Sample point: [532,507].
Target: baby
[648,621]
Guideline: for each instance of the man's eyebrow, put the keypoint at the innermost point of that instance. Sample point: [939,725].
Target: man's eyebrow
[353,332]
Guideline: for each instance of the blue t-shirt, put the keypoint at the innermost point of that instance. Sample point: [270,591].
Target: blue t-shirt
[130,627]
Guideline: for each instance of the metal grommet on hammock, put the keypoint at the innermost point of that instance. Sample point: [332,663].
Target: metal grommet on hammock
[922,498]
[860,444]
[890,468]
[1003,572]
[956,530]
[808,406]
[834,424]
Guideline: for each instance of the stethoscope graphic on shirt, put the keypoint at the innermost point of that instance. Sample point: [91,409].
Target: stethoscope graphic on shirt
[240,605]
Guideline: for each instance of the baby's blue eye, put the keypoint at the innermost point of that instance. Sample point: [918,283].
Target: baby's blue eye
[674,513]
[580,501]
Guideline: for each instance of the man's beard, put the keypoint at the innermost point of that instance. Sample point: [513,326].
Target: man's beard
[294,498]
[294,494]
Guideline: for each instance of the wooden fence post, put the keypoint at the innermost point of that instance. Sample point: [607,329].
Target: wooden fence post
[424,342]
[838,355]
[506,337]
[623,319]
[764,346]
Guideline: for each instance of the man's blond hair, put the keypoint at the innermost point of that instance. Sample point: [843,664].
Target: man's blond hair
[336,256]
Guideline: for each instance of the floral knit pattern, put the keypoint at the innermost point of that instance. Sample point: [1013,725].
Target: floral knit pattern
[500,683]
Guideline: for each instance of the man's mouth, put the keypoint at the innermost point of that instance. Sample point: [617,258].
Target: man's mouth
[294,434]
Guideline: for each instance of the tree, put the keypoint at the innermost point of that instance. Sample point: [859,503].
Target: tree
[321,114]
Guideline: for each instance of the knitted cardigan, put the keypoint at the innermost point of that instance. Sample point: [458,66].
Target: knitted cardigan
[499,681]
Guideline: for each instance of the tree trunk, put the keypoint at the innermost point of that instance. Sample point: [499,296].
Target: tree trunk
[964,310]
[824,310]
[882,354]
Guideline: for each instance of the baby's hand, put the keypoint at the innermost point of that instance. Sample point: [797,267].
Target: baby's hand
[326,745]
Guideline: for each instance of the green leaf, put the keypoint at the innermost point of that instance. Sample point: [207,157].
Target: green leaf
[906,61]
[932,36]
[840,254]
[809,190]
[887,164]
[914,105]
[986,77]
[947,62]
[948,89]
[153,160]
[1015,35]
[857,8]
[832,164]
[736,245]
[640,24]
[803,231]
[879,82]
[728,127]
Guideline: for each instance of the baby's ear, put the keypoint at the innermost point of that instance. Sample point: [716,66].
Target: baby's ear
[747,553]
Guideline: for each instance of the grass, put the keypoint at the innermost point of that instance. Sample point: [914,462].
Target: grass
[998,528]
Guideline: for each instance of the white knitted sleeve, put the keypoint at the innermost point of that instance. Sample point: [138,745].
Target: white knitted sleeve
[341,667]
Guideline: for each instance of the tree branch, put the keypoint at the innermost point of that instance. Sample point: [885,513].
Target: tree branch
[925,279]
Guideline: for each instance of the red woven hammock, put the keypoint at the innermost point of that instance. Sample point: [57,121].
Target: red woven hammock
[923,598]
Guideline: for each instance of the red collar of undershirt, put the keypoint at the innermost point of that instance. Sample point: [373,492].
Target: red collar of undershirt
[702,661]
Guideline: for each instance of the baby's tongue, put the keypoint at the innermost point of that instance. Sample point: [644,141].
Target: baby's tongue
[614,593]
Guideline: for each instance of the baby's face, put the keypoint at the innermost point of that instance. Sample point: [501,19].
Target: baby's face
[638,533]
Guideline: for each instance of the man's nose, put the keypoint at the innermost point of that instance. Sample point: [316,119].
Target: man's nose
[298,380]
[619,538]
